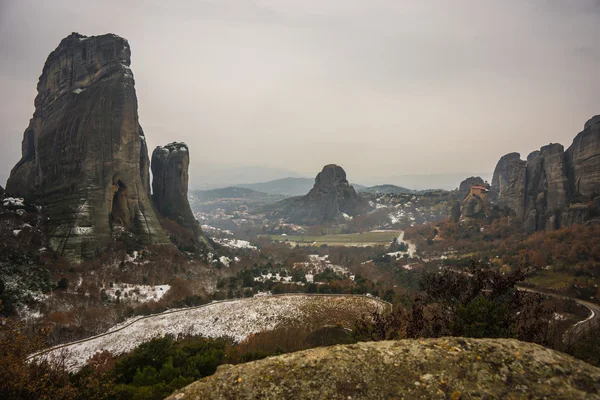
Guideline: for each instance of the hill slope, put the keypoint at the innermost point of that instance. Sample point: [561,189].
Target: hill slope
[231,318]
[283,186]
[236,193]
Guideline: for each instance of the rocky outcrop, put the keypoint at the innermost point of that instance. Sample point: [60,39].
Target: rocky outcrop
[547,191]
[583,158]
[170,165]
[473,207]
[554,187]
[465,185]
[446,368]
[1,191]
[332,193]
[84,154]
[330,198]
[508,183]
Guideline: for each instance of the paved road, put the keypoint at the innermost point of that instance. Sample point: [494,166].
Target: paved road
[579,329]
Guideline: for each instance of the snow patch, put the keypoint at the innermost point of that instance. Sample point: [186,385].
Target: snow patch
[13,202]
[235,243]
[236,319]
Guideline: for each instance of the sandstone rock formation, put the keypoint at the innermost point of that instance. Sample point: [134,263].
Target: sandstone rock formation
[84,154]
[330,198]
[446,368]
[583,158]
[170,165]
[332,193]
[508,183]
[465,185]
[547,188]
[553,188]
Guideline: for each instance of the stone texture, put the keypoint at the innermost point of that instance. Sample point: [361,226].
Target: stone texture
[84,154]
[583,159]
[547,192]
[465,185]
[445,368]
[509,183]
[170,166]
[473,207]
[558,188]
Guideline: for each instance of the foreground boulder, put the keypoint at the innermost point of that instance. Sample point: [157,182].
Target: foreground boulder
[170,178]
[84,154]
[446,368]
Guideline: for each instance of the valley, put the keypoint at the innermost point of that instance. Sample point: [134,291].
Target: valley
[120,280]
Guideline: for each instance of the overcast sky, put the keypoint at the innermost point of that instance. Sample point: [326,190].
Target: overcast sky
[381,87]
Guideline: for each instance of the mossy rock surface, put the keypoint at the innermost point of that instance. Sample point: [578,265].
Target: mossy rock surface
[445,368]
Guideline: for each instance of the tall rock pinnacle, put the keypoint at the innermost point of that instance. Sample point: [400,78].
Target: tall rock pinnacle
[170,186]
[84,154]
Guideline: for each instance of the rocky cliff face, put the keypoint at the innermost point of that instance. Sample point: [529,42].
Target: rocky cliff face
[446,368]
[84,154]
[1,191]
[332,193]
[508,183]
[330,196]
[547,188]
[583,158]
[556,185]
[170,165]
[465,185]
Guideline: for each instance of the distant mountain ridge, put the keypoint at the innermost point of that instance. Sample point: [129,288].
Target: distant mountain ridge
[236,193]
[283,186]
[384,189]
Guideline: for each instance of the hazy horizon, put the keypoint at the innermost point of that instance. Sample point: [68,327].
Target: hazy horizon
[382,88]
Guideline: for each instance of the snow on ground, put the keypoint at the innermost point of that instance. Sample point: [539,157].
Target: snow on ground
[236,319]
[13,202]
[235,243]
[275,277]
[136,293]
[225,260]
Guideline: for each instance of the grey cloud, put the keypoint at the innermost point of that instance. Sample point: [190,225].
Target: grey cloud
[383,87]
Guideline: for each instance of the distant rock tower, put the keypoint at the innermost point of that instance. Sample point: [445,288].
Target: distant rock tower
[84,154]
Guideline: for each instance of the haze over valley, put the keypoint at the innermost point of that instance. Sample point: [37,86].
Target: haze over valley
[299,200]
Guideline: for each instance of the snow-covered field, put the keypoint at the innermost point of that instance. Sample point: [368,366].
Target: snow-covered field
[235,243]
[236,319]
